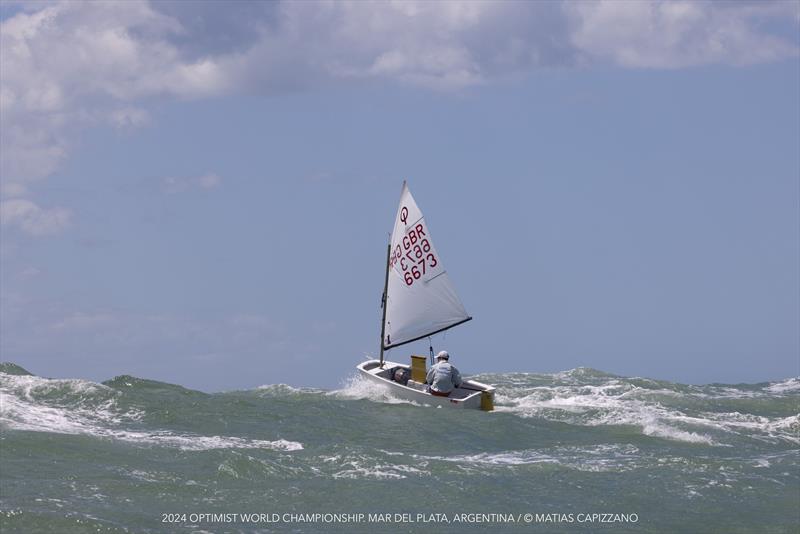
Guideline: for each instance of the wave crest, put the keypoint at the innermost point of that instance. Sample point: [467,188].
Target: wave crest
[82,407]
[693,414]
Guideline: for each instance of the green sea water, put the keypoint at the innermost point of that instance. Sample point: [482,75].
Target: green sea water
[578,451]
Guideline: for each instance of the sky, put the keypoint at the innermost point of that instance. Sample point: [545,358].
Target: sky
[201,192]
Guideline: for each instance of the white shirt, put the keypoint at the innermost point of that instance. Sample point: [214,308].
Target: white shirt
[443,377]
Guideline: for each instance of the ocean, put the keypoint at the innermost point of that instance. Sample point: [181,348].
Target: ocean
[576,451]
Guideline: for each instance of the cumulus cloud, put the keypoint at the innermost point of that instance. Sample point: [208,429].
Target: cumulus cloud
[129,117]
[69,65]
[33,219]
[449,45]
[681,33]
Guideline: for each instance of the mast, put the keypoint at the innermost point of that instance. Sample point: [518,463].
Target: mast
[384,298]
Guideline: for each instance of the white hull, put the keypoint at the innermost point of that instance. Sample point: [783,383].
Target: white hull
[468,395]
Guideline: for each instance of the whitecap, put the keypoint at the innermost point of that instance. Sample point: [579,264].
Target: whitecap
[789,385]
[363,466]
[596,458]
[285,389]
[612,403]
[357,387]
[25,412]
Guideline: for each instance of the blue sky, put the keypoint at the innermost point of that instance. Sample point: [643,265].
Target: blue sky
[202,192]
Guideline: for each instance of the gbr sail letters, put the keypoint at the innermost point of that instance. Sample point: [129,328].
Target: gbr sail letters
[421,299]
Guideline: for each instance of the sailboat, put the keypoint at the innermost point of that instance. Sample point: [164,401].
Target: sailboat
[419,300]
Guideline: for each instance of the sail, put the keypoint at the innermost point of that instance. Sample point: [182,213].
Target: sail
[421,299]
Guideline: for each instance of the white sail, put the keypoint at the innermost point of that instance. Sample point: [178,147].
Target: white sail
[421,299]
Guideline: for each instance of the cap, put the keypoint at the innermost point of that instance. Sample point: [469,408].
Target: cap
[443,355]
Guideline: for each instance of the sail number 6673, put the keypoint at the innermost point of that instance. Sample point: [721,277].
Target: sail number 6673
[417,271]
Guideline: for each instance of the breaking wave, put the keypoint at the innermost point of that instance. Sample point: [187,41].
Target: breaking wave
[82,407]
[151,413]
[357,387]
[694,414]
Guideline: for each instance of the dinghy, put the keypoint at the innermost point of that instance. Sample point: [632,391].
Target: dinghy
[418,301]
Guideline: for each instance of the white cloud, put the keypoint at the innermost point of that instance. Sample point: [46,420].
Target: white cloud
[65,66]
[449,45]
[32,219]
[129,117]
[12,189]
[678,34]
[70,65]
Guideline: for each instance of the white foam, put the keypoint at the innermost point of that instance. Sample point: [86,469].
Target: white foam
[285,389]
[728,392]
[378,471]
[21,415]
[507,458]
[24,412]
[784,387]
[665,431]
[618,403]
[31,386]
[604,457]
[362,466]
[613,403]
[760,427]
[357,387]
[787,386]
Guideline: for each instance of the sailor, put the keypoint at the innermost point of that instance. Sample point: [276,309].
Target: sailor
[443,377]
